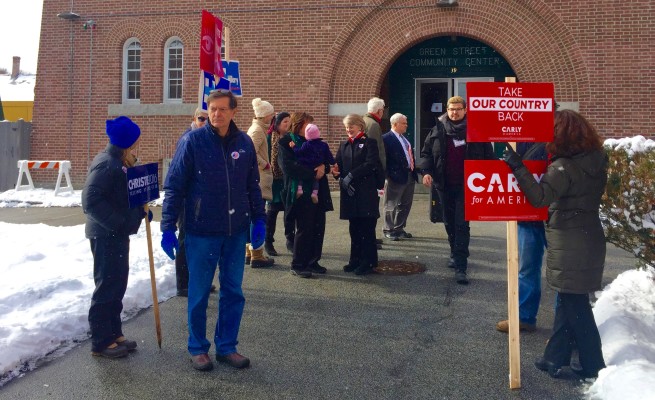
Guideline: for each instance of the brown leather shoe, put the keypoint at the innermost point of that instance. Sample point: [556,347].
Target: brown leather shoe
[503,326]
[201,362]
[234,360]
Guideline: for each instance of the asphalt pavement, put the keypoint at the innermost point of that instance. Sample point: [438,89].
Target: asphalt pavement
[336,336]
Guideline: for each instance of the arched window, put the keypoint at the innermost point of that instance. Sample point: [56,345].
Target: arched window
[132,71]
[173,62]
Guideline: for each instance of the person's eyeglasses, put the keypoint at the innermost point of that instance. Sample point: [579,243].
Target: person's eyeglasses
[202,119]
[455,109]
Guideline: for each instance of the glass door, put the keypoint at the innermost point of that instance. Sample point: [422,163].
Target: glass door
[431,98]
[460,84]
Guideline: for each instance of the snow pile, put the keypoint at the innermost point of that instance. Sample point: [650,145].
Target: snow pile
[46,287]
[625,315]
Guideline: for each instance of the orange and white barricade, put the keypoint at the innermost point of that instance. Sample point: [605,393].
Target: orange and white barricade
[24,167]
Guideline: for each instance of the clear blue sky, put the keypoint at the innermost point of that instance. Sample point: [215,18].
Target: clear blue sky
[20,26]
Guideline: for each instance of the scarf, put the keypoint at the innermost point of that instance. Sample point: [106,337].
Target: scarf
[375,117]
[359,135]
[458,130]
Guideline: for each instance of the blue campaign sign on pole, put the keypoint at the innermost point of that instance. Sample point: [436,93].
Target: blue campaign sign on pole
[142,184]
[207,84]
[231,81]
[231,69]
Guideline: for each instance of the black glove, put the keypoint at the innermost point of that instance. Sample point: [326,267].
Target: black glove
[346,184]
[512,158]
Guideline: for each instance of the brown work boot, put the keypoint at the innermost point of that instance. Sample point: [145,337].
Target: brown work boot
[503,326]
[259,260]
[248,254]
[201,362]
[234,360]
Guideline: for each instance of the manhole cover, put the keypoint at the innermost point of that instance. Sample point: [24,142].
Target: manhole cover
[396,267]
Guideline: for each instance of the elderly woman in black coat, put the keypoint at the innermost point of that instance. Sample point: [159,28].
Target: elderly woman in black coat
[360,175]
[109,223]
[572,188]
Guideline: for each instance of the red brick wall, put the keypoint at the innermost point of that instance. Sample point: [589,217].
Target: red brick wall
[302,55]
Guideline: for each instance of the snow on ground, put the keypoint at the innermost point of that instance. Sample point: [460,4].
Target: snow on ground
[47,285]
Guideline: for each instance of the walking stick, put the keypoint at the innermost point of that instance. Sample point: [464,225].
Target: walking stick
[153,284]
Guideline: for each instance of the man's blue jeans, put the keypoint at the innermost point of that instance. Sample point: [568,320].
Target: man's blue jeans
[532,242]
[203,254]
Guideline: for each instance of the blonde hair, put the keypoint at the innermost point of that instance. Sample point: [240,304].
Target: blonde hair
[456,100]
[199,111]
[355,119]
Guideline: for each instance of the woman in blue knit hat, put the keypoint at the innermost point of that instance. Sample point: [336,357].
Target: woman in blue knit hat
[109,224]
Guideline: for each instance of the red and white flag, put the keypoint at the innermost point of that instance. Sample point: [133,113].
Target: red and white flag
[211,33]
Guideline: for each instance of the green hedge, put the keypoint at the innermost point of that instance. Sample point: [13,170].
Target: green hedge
[628,205]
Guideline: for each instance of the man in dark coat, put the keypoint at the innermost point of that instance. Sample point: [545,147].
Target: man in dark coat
[401,176]
[214,180]
[442,164]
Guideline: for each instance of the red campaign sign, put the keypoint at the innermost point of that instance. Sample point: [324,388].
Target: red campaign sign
[491,192]
[510,112]
[211,32]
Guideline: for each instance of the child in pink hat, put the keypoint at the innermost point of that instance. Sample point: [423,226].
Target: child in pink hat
[311,154]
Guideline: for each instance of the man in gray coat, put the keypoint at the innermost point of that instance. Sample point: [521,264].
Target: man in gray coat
[372,120]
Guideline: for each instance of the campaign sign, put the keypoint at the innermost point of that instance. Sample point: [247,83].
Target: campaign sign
[510,112]
[207,84]
[231,69]
[142,184]
[492,193]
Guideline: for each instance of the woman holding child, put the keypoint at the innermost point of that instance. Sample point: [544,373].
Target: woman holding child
[309,216]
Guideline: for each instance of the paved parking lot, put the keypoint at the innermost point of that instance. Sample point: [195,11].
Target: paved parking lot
[337,336]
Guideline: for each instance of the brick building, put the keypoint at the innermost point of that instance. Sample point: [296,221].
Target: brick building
[328,58]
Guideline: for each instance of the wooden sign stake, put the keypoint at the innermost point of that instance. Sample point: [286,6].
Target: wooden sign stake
[513,297]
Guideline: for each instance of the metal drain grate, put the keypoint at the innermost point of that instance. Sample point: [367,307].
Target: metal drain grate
[398,267]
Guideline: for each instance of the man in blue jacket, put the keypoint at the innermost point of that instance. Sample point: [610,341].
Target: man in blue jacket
[214,178]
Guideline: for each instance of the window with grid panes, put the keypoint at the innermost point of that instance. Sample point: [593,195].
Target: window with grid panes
[174,53]
[132,70]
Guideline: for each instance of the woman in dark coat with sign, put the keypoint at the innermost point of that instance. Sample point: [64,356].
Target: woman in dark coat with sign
[109,224]
[308,217]
[572,188]
[360,176]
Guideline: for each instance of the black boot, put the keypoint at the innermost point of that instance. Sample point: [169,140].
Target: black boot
[270,249]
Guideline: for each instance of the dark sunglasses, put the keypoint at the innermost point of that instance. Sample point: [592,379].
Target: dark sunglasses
[202,119]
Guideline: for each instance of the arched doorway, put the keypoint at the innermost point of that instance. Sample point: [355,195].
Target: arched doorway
[422,78]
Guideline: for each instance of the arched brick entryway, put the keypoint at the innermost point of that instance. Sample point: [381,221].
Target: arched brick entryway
[528,34]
